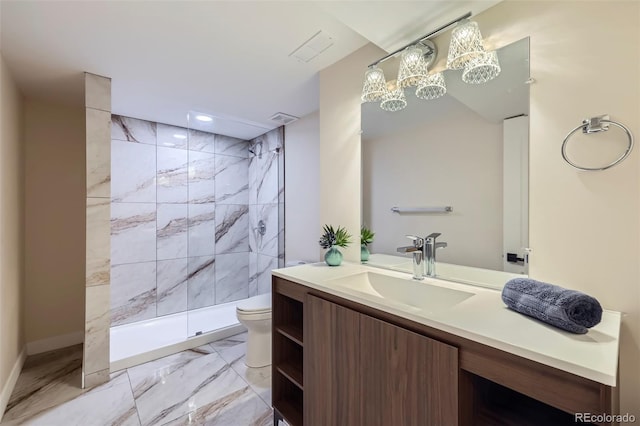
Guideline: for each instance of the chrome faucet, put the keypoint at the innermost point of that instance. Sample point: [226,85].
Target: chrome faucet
[430,247]
[417,249]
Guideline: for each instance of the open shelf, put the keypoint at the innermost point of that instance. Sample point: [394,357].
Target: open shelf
[292,332]
[293,372]
[291,411]
[287,344]
[496,405]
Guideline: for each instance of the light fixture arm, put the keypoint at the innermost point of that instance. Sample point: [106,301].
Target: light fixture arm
[419,40]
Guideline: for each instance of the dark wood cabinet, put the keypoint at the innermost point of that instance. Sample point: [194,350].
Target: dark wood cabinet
[410,379]
[363,371]
[331,364]
[337,362]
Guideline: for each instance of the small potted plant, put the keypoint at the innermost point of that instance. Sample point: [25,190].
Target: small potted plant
[331,239]
[366,238]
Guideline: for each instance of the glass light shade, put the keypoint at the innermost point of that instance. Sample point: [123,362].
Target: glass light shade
[413,67]
[394,100]
[481,69]
[432,87]
[466,44]
[374,86]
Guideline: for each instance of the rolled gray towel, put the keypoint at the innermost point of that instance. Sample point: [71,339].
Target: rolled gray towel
[569,310]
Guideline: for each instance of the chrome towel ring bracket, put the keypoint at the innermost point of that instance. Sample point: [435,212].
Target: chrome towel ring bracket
[595,125]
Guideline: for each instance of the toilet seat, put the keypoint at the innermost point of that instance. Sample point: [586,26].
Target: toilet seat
[252,316]
[257,305]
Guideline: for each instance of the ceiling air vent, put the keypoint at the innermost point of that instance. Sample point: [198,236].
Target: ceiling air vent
[283,118]
[313,47]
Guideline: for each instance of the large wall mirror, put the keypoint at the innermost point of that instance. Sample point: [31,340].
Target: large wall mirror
[467,150]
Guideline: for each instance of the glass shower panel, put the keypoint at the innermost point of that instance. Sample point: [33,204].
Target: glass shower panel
[225,179]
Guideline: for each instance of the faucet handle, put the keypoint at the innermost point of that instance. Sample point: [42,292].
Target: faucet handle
[433,235]
[418,242]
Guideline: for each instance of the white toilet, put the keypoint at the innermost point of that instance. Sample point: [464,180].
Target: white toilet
[255,314]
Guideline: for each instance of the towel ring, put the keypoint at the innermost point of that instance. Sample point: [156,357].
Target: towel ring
[595,125]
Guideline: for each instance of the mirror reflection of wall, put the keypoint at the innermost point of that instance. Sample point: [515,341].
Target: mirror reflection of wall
[468,150]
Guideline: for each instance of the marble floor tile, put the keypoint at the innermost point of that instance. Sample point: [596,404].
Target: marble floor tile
[46,380]
[109,404]
[192,380]
[208,385]
[233,350]
[242,407]
[234,341]
[258,378]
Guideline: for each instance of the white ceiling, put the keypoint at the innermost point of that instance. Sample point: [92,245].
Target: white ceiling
[229,59]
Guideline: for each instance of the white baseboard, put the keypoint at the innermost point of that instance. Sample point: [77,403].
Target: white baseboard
[11,381]
[56,342]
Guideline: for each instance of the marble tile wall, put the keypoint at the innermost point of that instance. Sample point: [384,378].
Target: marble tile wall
[266,203]
[184,205]
[95,362]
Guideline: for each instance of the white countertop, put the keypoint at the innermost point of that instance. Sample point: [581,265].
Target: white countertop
[485,319]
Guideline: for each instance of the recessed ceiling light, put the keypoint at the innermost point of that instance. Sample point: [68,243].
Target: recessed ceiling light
[179,136]
[204,118]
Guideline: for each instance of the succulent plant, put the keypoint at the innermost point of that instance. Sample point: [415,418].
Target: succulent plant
[366,236]
[334,237]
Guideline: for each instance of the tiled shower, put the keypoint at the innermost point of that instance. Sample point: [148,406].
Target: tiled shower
[196,225]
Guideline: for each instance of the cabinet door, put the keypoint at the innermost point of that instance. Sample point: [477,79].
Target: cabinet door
[406,379]
[331,355]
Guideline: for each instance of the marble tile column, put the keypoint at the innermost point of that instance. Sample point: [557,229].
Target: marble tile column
[95,365]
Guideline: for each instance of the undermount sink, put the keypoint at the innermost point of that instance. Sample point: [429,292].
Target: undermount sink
[417,294]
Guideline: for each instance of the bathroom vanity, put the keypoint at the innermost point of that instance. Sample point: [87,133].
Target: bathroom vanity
[355,345]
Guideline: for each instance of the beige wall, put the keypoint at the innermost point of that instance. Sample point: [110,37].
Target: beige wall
[11,224]
[55,219]
[340,167]
[302,207]
[585,227]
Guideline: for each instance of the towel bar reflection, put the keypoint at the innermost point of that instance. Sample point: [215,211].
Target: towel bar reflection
[400,210]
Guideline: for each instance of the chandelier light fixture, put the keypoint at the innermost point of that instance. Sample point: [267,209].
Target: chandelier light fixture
[413,67]
[394,98]
[466,52]
[432,87]
[375,85]
[482,68]
[466,44]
